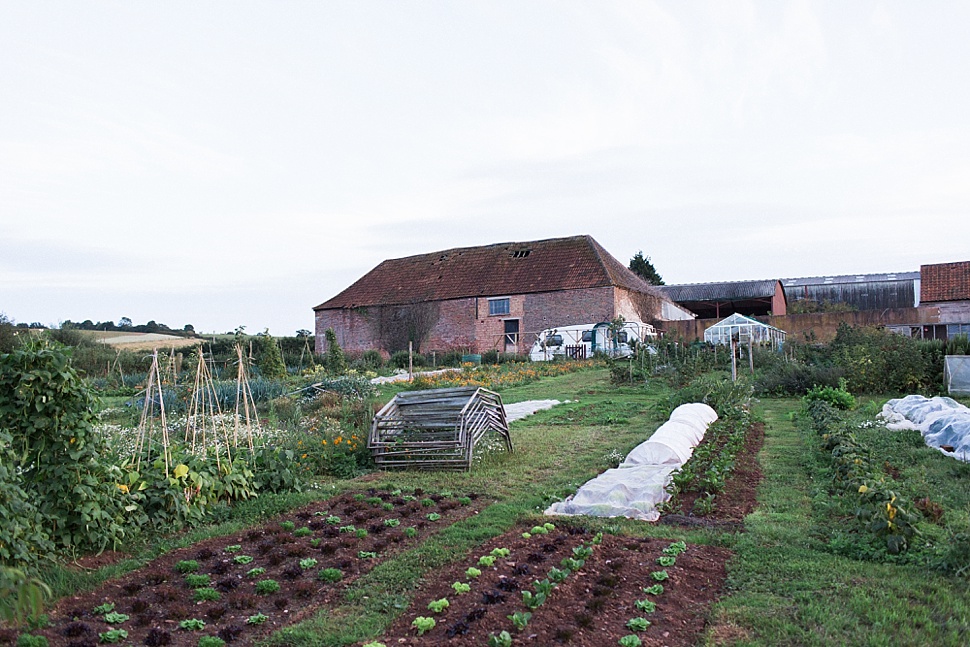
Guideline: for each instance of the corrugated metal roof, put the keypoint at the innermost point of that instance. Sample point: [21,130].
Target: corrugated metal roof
[725,291]
[850,278]
[945,282]
[491,270]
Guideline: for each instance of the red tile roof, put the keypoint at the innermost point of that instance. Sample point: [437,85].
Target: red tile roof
[491,270]
[945,282]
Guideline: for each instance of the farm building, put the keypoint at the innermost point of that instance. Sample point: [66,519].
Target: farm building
[493,297]
[857,291]
[716,300]
[945,289]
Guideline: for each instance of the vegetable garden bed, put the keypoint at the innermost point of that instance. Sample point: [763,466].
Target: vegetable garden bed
[728,503]
[580,590]
[240,587]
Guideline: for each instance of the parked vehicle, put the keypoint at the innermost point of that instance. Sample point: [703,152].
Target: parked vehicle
[585,340]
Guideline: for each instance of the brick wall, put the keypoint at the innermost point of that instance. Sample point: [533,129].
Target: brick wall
[822,325]
[464,324]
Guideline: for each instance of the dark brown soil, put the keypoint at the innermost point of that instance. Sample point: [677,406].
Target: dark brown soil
[157,596]
[740,494]
[589,609]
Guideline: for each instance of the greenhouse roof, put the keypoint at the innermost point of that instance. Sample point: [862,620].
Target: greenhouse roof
[741,320]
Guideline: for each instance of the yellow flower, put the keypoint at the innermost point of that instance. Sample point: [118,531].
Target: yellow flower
[323,442]
[304,456]
[121,486]
[863,489]
[72,440]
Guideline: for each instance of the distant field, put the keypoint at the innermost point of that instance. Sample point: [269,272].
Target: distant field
[140,340]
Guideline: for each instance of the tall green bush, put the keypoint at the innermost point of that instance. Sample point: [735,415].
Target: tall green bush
[877,361]
[47,409]
[336,362]
[270,359]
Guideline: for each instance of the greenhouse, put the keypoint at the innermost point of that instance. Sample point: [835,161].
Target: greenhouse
[743,330]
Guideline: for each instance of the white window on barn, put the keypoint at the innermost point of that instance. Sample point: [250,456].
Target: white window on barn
[498,307]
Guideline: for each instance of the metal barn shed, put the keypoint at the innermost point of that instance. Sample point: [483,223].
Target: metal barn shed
[437,428]
[861,291]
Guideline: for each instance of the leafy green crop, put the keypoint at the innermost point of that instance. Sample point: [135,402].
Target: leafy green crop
[257,619]
[630,641]
[486,560]
[192,624]
[392,523]
[255,572]
[307,563]
[656,589]
[196,581]
[211,641]
[288,526]
[461,587]
[330,575]
[235,548]
[205,594]
[520,619]
[558,575]
[102,609]
[242,559]
[666,560]
[638,624]
[113,636]
[115,618]
[187,566]
[503,639]
[659,576]
[265,587]
[647,606]
[501,552]
[423,624]
[437,606]
[675,549]
[433,516]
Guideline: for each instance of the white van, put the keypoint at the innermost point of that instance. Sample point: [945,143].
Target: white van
[584,340]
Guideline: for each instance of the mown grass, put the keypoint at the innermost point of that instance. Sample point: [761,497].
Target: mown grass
[787,589]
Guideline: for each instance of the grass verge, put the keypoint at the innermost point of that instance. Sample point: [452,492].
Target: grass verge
[788,589]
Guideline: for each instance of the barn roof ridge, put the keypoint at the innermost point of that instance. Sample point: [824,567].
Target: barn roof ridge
[498,269]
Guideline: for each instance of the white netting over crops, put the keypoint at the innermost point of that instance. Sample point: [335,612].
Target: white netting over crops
[636,487]
[944,422]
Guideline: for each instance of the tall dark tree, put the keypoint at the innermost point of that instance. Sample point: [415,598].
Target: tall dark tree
[642,266]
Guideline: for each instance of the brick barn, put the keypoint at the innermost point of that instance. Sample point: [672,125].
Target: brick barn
[493,297]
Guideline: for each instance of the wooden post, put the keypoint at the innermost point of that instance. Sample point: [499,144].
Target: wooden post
[410,361]
[751,355]
[734,363]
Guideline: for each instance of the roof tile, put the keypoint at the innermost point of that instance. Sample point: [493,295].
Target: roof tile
[491,270]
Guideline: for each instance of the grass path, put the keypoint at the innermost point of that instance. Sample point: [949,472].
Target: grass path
[786,589]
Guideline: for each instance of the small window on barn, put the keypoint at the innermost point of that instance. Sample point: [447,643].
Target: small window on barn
[553,341]
[498,307]
[587,336]
[519,253]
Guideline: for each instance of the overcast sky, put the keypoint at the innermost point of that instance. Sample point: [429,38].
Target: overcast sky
[237,163]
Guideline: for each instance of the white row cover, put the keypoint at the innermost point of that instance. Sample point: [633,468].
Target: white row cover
[636,487]
[942,421]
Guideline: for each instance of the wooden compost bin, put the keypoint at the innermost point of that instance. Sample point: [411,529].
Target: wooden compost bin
[436,429]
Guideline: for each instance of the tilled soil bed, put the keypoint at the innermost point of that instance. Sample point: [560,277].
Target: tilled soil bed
[311,553]
[740,494]
[589,608]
